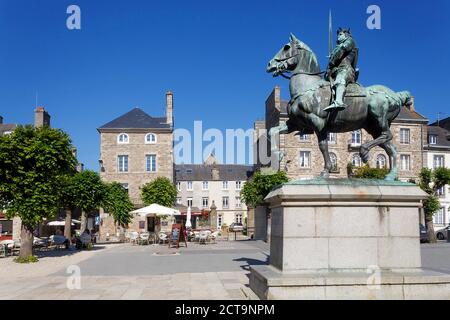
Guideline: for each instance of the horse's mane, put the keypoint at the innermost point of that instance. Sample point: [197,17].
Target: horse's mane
[309,59]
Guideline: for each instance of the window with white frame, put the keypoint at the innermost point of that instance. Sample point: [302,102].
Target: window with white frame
[356,160]
[305,159]
[205,202]
[405,136]
[238,203]
[238,185]
[440,192]
[303,137]
[150,163]
[238,218]
[150,138]
[225,202]
[439,217]
[122,163]
[189,186]
[332,138]
[381,161]
[438,161]
[224,185]
[432,139]
[122,138]
[356,137]
[205,185]
[189,202]
[179,186]
[405,162]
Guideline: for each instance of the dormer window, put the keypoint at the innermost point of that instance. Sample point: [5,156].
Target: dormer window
[150,138]
[122,138]
[432,139]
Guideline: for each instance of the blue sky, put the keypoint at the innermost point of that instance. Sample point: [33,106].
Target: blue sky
[212,54]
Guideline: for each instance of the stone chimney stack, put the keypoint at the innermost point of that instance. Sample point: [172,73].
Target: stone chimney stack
[411,107]
[169,107]
[41,117]
[1,120]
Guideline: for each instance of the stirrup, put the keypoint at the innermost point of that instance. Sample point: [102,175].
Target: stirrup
[335,106]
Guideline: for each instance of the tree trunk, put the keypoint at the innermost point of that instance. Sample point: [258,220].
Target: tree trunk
[26,242]
[83,222]
[430,228]
[68,226]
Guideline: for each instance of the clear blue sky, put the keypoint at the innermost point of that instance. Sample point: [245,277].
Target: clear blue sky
[212,54]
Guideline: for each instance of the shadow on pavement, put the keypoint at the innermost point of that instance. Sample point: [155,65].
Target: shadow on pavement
[252,262]
[63,252]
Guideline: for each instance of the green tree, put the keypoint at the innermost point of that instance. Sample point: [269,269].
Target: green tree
[160,191]
[87,191]
[258,187]
[33,165]
[431,181]
[117,202]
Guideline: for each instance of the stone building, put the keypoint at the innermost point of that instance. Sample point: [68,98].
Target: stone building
[135,149]
[303,159]
[437,153]
[212,184]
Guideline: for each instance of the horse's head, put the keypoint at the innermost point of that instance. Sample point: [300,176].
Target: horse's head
[293,55]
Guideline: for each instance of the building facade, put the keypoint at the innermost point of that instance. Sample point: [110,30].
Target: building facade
[303,160]
[135,149]
[212,184]
[437,151]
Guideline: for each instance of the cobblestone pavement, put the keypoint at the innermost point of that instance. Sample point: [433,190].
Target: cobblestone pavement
[198,272]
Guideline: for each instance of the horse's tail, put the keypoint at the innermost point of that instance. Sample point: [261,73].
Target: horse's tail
[403,98]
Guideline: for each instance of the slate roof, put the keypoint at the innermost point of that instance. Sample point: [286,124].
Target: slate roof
[408,115]
[442,134]
[444,123]
[136,119]
[7,127]
[201,172]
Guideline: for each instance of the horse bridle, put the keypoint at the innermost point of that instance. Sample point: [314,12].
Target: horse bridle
[297,73]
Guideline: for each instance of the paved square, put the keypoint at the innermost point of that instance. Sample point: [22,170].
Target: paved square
[124,271]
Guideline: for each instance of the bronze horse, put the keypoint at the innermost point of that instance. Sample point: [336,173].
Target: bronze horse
[372,108]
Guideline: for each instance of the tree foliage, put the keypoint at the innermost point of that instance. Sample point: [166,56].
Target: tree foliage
[431,181]
[259,186]
[160,191]
[117,202]
[86,191]
[366,172]
[33,166]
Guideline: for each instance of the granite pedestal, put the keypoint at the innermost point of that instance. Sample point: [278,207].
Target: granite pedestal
[346,239]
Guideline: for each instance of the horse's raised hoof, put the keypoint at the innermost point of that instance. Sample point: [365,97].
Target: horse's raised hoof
[364,154]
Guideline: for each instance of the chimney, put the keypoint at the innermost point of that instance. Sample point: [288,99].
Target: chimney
[410,106]
[169,107]
[215,173]
[1,120]
[41,117]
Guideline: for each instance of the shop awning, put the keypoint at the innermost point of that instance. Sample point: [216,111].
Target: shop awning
[155,209]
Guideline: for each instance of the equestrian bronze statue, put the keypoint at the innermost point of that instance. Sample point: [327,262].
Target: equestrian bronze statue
[312,110]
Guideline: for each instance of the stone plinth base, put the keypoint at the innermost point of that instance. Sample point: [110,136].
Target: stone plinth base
[271,284]
[327,234]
